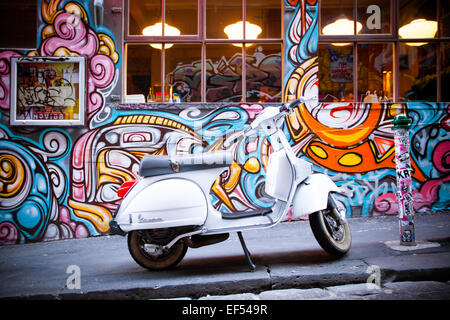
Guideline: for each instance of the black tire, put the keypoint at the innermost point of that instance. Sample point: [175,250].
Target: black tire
[334,237]
[161,261]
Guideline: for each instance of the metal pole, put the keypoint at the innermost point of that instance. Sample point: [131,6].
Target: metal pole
[401,127]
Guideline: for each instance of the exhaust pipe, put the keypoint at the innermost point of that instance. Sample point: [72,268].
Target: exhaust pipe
[197,241]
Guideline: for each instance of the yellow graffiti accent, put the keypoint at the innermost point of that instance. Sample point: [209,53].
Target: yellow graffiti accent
[350,159]
[221,193]
[63,52]
[98,215]
[395,109]
[252,165]
[319,151]
[222,188]
[107,47]
[233,177]
[385,156]
[107,174]
[12,174]
[78,10]
[49,10]
[48,31]
[264,155]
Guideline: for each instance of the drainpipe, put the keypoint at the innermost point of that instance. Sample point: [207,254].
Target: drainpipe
[99,9]
[401,127]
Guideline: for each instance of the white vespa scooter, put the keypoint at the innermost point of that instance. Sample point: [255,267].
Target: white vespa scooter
[169,209]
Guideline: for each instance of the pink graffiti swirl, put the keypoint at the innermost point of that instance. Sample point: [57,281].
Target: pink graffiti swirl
[5,68]
[101,70]
[8,233]
[72,34]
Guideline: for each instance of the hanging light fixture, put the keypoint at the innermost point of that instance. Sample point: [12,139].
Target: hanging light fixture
[341,27]
[418,28]
[156,30]
[236,30]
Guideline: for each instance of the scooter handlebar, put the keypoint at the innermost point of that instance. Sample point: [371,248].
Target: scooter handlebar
[284,109]
[289,106]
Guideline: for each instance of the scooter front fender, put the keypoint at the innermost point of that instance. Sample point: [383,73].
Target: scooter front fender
[312,194]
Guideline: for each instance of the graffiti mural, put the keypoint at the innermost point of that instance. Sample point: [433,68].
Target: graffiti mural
[109,155]
[354,142]
[58,183]
[34,188]
[35,175]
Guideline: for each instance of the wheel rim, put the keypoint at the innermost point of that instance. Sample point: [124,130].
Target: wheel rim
[153,251]
[334,228]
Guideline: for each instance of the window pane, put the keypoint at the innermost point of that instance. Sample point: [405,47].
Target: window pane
[220,14]
[333,10]
[183,73]
[374,16]
[417,77]
[417,19]
[144,71]
[445,18]
[335,73]
[445,73]
[182,14]
[223,72]
[20,16]
[375,76]
[263,73]
[143,13]
[267,15]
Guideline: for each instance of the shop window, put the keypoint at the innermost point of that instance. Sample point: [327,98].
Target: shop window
[201,52]
[183,73]
[417,72]
[140,81]
[336,73]
[223,71]
[375,72]
[388,65]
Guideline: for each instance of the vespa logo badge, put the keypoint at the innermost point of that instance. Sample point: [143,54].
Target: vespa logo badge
[141,219]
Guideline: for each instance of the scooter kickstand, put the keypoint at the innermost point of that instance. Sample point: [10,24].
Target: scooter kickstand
[247,253]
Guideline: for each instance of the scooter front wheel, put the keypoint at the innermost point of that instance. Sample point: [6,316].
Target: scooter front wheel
[333,236]
[153,256]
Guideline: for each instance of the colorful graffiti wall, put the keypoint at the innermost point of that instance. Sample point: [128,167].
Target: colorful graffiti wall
[58,183]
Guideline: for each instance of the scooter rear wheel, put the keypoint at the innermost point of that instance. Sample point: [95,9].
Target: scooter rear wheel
[156,258]
[333,236]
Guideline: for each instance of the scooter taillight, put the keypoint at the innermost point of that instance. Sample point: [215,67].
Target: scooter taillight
[125,187]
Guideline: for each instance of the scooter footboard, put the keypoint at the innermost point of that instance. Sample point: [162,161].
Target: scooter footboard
[312,194]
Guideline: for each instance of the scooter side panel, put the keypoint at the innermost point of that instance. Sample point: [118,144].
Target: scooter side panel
[163,204]
[312,195]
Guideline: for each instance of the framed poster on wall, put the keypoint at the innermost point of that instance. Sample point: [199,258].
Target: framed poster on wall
[48,91]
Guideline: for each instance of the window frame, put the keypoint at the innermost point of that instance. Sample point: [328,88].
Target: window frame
[389,38]
[201,38]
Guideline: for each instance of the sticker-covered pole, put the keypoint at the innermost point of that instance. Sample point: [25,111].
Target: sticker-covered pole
[401,127]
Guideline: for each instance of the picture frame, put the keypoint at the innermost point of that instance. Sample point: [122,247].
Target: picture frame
[48,91]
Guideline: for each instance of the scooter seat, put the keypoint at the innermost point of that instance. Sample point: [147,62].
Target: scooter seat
[152,165]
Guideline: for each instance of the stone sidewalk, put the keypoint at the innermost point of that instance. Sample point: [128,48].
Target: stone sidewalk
[287,257]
